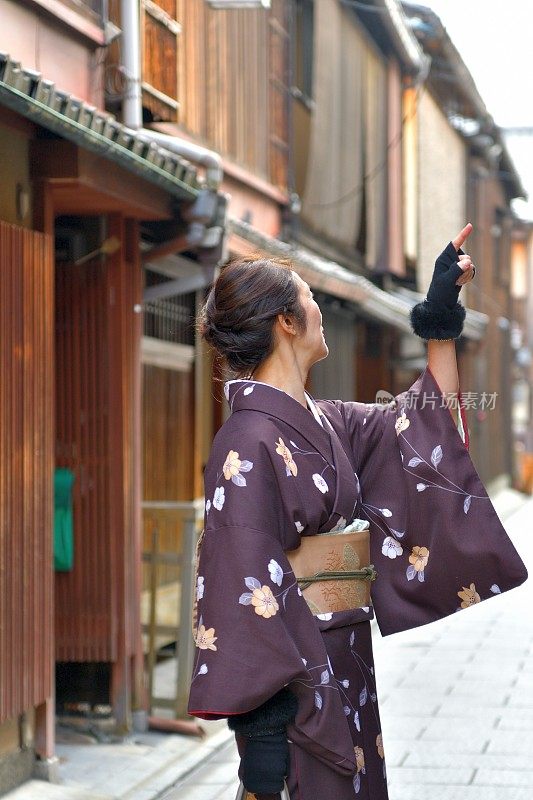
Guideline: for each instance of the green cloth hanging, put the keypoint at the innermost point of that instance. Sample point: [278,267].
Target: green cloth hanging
[63,520]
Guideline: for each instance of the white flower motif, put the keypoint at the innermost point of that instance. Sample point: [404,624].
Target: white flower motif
[299,526]
[345,683]
[320,483]
[386,512]
[391,548]
[420,487]
[203,669]
[340,526]
[248,390]
[276,573]
[219,498]
[199,587]
[324,617]
[208,506]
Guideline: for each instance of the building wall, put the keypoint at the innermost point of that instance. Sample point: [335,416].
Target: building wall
[42,43]
[441,185]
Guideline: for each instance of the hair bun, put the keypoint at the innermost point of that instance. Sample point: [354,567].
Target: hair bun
[238,317]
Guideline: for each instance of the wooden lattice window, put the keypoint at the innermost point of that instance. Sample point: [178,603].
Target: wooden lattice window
[160,31]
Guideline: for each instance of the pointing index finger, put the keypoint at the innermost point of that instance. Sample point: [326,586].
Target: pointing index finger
[461,238]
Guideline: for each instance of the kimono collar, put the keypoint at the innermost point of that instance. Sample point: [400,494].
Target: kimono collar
[255,395]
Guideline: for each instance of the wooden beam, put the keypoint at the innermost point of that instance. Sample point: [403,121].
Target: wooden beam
[84,183]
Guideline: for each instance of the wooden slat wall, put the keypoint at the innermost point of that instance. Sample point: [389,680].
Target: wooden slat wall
[231,83]
[84,611]
[98,436]
[168,457]
[26,464]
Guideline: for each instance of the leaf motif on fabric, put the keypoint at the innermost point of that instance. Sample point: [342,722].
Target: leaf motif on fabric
[410,572]
[352,638]
[246,466]
[324,678]
[347,710]
[398,534]
[363,696]
[357,721]
[495,589]
[421,577]
[386,512]
[318,700]
[284,597]
[357,783]
[420,487]
[252,583]
[324,617]
[245,599]
[248,390]
[436,456]
[414,462]
[346,683]
[203,670]
[466,504]
[293,444]
[239,480]
[373,697]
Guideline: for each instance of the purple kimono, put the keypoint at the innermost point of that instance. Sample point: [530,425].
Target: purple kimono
[276,474]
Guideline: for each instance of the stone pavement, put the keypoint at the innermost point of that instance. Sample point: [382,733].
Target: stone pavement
[456,700]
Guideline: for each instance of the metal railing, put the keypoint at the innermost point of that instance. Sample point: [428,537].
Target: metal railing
[187,518]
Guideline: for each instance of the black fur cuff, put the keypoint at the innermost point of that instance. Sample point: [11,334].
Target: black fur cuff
[273,716]
[443,323]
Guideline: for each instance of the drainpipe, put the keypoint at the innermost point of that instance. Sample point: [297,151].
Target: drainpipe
[132,106]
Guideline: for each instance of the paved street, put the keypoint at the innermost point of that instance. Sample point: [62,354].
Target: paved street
[456,703]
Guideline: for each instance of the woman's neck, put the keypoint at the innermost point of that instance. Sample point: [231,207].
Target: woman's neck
[286,377]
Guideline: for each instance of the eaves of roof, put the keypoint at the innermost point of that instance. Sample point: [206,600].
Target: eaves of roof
[391,308]
[28,93]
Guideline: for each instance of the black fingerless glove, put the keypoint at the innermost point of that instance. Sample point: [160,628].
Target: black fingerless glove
[265,762]
[441,315]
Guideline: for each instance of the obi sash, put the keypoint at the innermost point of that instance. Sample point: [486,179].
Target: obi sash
[333,570]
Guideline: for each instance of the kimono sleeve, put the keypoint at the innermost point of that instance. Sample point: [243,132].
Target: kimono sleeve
[436,540]
[255,633]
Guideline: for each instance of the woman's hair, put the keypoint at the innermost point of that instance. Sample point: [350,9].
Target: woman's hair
[240,311]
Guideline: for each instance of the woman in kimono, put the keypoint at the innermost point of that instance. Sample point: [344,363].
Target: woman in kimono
[298,688]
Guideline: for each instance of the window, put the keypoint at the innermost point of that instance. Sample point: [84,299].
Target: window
[303,68]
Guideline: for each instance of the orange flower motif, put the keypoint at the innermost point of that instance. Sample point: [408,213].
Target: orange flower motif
[401,423]
[286,455]
[469,596]
[232,465]
[359,758]
[205,639]
[379,745]
[419,558]
[264,602]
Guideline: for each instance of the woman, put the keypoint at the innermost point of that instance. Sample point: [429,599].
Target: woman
[299,688]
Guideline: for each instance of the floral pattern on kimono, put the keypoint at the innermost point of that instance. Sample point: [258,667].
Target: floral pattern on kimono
[275,474]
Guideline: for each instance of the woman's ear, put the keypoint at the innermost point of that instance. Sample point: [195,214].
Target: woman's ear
[287,324]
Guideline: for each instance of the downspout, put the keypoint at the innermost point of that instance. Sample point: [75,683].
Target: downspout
[132,104]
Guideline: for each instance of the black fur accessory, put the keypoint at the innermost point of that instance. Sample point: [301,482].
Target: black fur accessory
[441,315]
[271,717]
